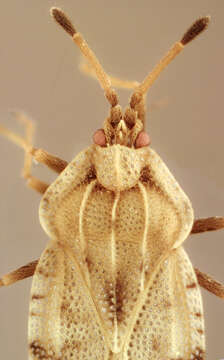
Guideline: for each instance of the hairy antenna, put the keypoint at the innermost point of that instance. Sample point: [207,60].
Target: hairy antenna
[62,20]
[197,27]
[103,78]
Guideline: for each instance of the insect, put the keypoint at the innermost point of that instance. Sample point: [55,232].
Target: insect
[114,281]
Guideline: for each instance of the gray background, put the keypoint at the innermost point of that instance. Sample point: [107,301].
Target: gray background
[39,73]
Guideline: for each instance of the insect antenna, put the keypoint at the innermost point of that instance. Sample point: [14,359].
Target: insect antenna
[103,78]
[197,27]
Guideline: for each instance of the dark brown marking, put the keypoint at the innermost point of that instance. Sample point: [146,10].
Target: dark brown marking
[200,331]
[119,300]
[64,307]
[146,177]
[67,349]
[91,175]
[198,314]
[42,272]
[40,352]
[210,284]
[197,27]
[98,188]
[191,286]
[76,345]
[19,274]
[199,354]
[34,314]
[37,297]
[28,269]
[89,263]
[116,292]
[63,20]
[208,224]
[141,266]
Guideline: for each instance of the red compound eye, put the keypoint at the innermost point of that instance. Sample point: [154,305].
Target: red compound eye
[99,138]
[143,139]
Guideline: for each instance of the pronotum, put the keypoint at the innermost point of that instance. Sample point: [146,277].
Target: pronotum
[114,281]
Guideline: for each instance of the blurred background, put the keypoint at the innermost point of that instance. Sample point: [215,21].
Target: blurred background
[39,74]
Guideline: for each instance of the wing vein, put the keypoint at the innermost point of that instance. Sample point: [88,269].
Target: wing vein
[81,230]
[145,234]
[114,264]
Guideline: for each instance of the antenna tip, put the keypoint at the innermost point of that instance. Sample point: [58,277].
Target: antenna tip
[197,27]
[60,17]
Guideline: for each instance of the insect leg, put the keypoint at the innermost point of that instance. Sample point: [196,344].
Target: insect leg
[19,274]
[205,280]
[208,224]
[41,156]
[210,284]
[36,184]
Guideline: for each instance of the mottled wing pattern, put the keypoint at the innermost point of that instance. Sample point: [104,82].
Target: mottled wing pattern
[170,324]
[63,322]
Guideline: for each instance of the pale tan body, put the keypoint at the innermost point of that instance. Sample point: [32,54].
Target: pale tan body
[114,277]
[114,283]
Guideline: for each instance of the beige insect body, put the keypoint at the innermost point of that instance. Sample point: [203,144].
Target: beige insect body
[119,248]
[114,282]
